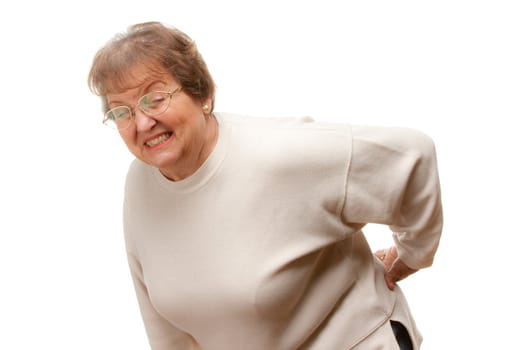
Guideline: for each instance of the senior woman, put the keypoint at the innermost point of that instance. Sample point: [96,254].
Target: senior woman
[246,233]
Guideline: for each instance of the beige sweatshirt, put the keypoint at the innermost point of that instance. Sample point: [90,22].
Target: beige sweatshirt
[262,248]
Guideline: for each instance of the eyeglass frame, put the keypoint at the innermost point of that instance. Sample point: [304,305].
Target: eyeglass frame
[132,109]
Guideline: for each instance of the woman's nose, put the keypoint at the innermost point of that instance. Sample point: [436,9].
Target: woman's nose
[143,122]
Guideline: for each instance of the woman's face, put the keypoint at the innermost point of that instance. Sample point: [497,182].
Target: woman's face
[178,140]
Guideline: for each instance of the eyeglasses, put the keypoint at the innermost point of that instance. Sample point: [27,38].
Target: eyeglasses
[151,104]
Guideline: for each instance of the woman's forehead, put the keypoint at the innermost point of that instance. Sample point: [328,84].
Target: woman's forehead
[137,77]
[135,85]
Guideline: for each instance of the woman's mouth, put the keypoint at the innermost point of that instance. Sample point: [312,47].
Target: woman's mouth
[159,139]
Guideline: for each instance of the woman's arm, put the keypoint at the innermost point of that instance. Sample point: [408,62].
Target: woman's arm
[162,335]
[393,180]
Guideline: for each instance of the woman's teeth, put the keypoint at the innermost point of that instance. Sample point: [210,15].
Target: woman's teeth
[157,140]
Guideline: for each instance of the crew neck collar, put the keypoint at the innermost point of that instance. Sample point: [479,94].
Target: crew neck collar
[206,171]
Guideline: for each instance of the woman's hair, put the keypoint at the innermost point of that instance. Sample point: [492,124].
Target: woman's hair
[160,47]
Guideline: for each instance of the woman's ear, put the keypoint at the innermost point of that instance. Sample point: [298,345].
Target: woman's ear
[207,105]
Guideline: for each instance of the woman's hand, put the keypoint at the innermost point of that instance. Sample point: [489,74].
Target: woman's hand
[395,269]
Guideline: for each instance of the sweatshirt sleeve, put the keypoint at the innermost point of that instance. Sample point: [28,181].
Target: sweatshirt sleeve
[393,180]
[161,334]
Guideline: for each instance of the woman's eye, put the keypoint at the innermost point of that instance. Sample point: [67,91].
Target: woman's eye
[119,113]
[153,100]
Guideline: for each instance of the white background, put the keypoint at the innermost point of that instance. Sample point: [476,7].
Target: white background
[453,69]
